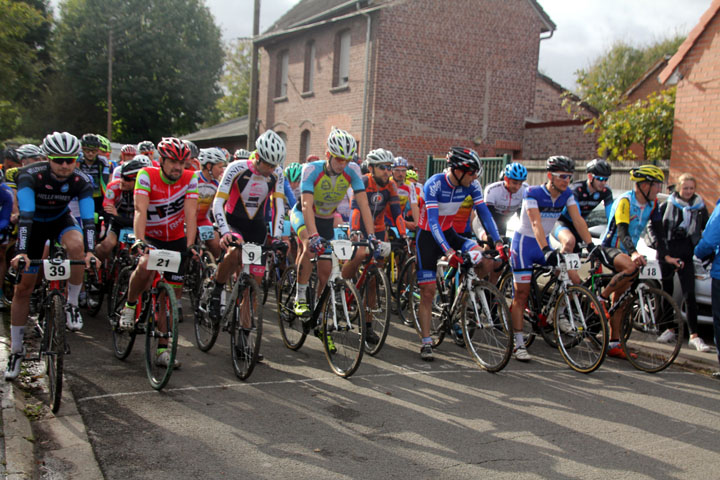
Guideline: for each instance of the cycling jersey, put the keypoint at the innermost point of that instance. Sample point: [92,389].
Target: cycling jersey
[166,210]
[502,203]
[587,201]
[207,188]
[407,195]
[241,197]
[6,205]
[539,197]
[99,173]
[626,210]
[43,198]
[379,197]
[122,200]
[442,201]
[461,220]
[10,176]
[328,190]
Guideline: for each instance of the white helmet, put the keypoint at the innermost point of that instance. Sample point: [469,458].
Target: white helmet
[270,148]
[29,150]
[341,144]
[212,156]
[379,156]
[61,144]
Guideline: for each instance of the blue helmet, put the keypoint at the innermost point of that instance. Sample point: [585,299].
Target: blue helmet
[516,171]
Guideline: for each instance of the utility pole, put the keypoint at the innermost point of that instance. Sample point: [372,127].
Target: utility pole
[109,84]
[252,115]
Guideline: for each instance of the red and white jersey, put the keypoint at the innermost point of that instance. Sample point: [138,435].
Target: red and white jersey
[166,210]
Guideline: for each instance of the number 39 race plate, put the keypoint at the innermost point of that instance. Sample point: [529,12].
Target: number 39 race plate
[56,271]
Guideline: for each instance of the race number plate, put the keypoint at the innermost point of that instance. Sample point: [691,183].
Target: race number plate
[572,260]
[207,232]
[251,254]
[651,271]
[342,248]
[125,233]
[56,271]
[164,260]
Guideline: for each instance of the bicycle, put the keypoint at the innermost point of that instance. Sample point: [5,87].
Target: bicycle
[120,259]
[647,312]
[245,334]
[160,298]
[52,318]
[275,263]
[198,274]
[406,289]
[336,315]
[474,303]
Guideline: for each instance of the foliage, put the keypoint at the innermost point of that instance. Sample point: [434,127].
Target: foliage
[235,81]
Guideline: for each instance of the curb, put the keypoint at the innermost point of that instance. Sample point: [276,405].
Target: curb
[17,431]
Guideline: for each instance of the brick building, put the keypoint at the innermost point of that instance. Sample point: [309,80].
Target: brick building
[413,76]
[695,68]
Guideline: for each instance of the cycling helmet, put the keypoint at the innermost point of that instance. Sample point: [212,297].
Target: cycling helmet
[341,144]
[194,150]
[11,154]
[61,145]
[90,140]
[28,151]
[364,169]
[516,171]
[599,167]
[270,148]
[647,173]
[135,165]
[379,156]
[129,150]
[412,175]
[213,156]
[400,162]
[560,163]
[312,158]
[465,159]
[104,144]
[241,154]
[146,146]
[174,149]
[293,172]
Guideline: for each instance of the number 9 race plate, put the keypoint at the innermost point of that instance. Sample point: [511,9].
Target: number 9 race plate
[251,254]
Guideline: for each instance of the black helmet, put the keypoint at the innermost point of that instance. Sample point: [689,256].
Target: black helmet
[560,163]
[11,154]
[194,150]
[90,140]
[464,159]
[599,167]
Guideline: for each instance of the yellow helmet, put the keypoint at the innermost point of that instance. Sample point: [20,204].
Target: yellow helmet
[412,175]
[647,173]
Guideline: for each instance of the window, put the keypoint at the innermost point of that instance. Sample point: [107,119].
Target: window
[309,74]
[282,74]
[341,65]
[304,145]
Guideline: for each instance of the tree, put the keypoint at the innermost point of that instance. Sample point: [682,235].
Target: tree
[167,59]
[235,81]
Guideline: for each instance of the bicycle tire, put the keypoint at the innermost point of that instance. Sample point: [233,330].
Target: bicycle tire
[379,318]
[291,326]
[348,336]
[159,375]
[486,326]
[651,313]
[245,340]
[405,290]
[205,327]
[582,332]
[506,287]
[123,340]
[54,348]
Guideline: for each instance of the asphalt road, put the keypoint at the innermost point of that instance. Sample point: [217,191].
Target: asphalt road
[397,417]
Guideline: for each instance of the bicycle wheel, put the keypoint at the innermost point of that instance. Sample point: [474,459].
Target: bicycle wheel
[246,330]
[53,347]
[122,340]
[506,287]
[582,332]
[343,328]
[291,327]
[157,341]
[652,313]
[486,326]
[406,288]
[545,329]
[377,314]
[206,328]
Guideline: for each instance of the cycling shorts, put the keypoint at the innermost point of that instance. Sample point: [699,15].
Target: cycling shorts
[429,252]
[562,225]
[53,231]
[524,252]
[325,226]
[179,245]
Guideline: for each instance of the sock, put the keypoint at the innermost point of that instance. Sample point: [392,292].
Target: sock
[613,344]
[16,334]
[73,293]
[301,292]
[427,341]
[131,304]
[519,340]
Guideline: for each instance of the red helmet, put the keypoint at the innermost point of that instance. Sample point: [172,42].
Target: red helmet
[174,149]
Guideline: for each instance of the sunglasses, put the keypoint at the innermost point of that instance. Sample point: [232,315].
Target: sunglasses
[601,179]
[129,178]
[90,149]
[562,176]
[341,159]
[61,160]
[383,167]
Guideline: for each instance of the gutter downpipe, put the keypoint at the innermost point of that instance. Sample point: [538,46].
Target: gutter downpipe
[366,88]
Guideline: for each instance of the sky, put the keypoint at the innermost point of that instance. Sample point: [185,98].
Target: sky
[585,28]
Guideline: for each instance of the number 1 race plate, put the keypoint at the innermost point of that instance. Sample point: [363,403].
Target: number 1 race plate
[342,249]
[164,260]
[56,271]
[651,271]
[251,254]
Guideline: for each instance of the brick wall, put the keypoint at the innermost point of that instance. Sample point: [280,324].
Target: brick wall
[696,134]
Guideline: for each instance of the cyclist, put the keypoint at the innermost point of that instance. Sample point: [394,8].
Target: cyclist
[7,202]
[412,177]
[127,153]
[119,203]
[193,163]
[541,207]
[444,192]
[588,195]
[504,198]
[44,192]
[95,167]
[293,173]
[165,218]
[324,184]
[406,193]
[245,188]
[241,154]
[212,161]
[629,215]
[105,149]
[146,147]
